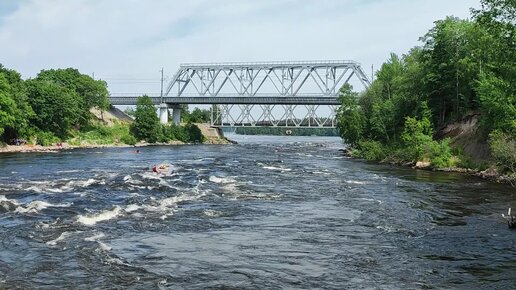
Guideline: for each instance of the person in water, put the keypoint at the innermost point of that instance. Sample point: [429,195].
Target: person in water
[160,168]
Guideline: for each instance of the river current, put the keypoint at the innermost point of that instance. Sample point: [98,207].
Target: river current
[267,213]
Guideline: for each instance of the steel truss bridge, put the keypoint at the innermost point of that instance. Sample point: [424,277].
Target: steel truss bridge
[290,94]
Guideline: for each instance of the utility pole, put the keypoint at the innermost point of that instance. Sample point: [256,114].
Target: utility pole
[161,94]
[372,73]
[93,75]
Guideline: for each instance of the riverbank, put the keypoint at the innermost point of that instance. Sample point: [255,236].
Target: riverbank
[66,146]
[490,174]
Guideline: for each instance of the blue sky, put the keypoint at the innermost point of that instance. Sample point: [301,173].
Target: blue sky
[129,40]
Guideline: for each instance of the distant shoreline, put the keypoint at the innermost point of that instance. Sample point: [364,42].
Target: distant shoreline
[65,146]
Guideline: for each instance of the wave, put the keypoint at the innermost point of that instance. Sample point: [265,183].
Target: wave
[90,220]
[32,207]
[222,180]
[61,237]
[60,186]
[355,182]
[38,205]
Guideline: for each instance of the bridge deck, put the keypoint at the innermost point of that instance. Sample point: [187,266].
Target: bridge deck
[262,100]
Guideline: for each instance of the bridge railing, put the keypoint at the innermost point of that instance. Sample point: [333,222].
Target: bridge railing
[272,63]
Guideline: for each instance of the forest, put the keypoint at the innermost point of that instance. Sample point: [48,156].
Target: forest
[463,72]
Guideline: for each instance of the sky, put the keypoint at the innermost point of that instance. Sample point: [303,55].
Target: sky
[127,42]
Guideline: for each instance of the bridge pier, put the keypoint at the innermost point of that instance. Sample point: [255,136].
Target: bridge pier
[176,114]
[163,113]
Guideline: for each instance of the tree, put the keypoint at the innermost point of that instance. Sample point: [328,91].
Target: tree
[146,124]
[199,116]
[7,106]
[17,91]
[57,109]
[350,117]
[451,61]
[92,93]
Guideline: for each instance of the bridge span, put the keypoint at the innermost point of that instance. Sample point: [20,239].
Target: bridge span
[258,93]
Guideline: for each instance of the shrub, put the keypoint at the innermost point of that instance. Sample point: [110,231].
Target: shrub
[194,134]
[503,148]
[45,138]
[128,139]
[439,153]
[174,132]
[371,150]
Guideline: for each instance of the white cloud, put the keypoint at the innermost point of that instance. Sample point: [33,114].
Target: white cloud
[119,39]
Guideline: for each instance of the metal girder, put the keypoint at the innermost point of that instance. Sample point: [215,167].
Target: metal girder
[265,85]
[301,116]
[273,78]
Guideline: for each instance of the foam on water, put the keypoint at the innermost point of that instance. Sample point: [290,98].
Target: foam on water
[61,237]
[355,182]
[38,205]
[212,213]
[91,220]
[222,180]
[95,237]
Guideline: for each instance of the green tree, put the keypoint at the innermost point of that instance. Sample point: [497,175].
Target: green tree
[146,124]
[23,112]
[451,64]
[199,116]
[350,117]
[57,109]
[91,93]
[7,106]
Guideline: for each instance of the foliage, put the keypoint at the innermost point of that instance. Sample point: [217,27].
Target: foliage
[57,109]
[503,147]
[146,124]
[89,92]
[196,116]
[23,112]
[44,138]
[189,133]
[286,131]
[128,139]
[350,117]
[129,111]
[100,134]
[370,150]
[463,67]
[7,106]
[193,133]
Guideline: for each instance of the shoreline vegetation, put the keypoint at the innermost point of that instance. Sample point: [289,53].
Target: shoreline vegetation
[63,106]
[448,104]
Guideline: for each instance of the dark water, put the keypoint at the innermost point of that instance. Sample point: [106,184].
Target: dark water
[268,213]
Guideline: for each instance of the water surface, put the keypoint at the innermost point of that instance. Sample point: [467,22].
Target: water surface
[268,213]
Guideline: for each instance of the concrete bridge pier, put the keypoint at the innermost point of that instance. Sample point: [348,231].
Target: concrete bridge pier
[176,114]
[163,113]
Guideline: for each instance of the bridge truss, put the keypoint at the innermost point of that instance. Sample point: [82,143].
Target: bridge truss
[290,94]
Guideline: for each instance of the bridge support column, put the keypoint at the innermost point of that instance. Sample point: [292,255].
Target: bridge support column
[176,114]
[163,113]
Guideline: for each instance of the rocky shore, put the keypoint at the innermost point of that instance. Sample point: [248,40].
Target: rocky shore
[491,173]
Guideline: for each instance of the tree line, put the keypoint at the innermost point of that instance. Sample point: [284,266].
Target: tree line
[463,68]
[48,106]
[56,106]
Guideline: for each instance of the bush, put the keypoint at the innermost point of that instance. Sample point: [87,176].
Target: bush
[45,138]
[174,132]
[128,139]
[194,134]
[371,150]
[503,148]
[439,153]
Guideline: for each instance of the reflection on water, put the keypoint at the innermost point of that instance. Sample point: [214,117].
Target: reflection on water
[270,212]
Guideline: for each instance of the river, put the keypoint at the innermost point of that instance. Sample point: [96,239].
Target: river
[267,213]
